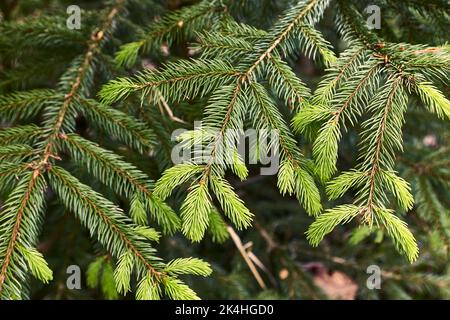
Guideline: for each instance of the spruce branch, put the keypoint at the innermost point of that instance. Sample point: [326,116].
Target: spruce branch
[170,28]
[118,124]
[105,221]
[93,209]
[218,61]
[121,176]
[20,216]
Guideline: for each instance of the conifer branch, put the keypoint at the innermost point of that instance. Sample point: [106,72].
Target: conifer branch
[110,226]
[376,157]
[219,62]
[169,28]
[65,184]
[118,124]
[123,177]
[97,39]
[284,33]
[21,211]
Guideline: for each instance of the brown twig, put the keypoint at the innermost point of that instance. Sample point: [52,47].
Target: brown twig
[237,241]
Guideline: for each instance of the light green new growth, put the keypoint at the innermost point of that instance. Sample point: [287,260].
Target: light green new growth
[370,80]
[29,155]
[239,77]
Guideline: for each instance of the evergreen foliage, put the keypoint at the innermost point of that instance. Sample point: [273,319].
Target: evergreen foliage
[125,238]
[90,132]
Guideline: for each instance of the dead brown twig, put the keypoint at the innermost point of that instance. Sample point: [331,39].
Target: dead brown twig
[237,241]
